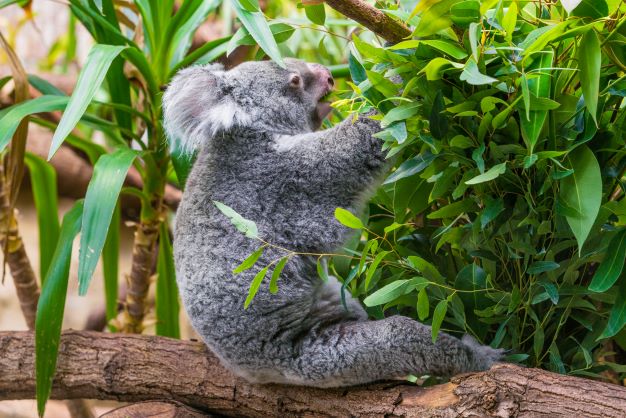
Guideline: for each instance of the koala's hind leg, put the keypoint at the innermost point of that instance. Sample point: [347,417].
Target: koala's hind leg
[358,352]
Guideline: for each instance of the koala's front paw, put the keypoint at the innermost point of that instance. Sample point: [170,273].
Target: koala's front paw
[484,355]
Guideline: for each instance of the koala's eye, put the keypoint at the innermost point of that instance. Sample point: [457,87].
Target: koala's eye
[295,80]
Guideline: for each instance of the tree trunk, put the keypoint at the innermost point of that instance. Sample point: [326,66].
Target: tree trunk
[134,368]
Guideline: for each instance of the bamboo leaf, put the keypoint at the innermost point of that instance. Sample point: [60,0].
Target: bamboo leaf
[96,66]
[489,175]
[388,293]
[52,305]
[372,268]
[276,274]
[582,191]
[43,181]
[617,317]
[104,188]
[536,84]
[423,304]
[246,226]
[589,62]
[438,316]
[346,218]
[254,286]
[167,305]
[249,261]
[612,266]
[110,265]
[257,26]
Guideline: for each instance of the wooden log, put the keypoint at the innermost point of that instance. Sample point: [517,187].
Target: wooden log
[133,368]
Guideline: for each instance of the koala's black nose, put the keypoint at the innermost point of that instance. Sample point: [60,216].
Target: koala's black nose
[331,82]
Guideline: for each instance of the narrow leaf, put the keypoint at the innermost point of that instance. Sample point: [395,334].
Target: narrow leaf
[346,218]
[249,261]
[104,188]
[589,62]
[582,191]
[438,316]
[43,181]
[254,286]
[612,265]
[166,300]
[276,274]
[489,175]
[96,66]
[52,305]
[388,293]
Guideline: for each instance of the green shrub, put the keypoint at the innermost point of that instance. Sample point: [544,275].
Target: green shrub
[504,214]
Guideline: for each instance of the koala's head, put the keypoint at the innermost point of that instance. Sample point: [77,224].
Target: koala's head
[203,101]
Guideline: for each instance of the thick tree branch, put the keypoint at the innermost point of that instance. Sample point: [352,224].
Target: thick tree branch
[134,368]
[378,22]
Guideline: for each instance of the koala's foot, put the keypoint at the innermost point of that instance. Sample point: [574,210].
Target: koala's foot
[484,355]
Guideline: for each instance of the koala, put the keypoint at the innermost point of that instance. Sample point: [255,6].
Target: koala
[261,153]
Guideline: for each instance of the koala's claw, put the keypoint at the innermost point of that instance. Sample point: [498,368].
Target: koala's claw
[485,356]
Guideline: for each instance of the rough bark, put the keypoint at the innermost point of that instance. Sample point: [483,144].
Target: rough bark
[152,409]
[134,368]
[378,22]
[144,257]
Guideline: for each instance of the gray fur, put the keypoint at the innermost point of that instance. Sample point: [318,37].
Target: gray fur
[266,162]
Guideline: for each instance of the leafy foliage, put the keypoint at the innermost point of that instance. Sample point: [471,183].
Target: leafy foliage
[508,128]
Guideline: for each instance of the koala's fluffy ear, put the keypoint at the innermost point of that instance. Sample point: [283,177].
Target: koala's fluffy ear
[196,106]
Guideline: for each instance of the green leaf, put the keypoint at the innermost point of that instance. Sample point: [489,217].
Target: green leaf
[446,47]
[372,268]
[91,76]
[438,316]
[536,84]
[243,225]
[254,286]
[489,175]
[276,274]
[316,13]
[401,112]
[411,167]
[423,305]
[249,261]
[436,16]
[612,266]
[542,266]
[617,317]
[437,121]
[473,280]
[594,9]
[583,192]
[14,114]
[166,299]
[322,269]
[472,75]
[43,181]
[257,26]
[110,267]
[346,218]
[104,188]
[388,293]
[454,209]
[51,306]
[589,63]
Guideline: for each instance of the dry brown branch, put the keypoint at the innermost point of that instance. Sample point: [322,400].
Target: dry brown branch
[134,368]
[378,22]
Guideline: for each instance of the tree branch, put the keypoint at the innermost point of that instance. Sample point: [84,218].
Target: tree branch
[133,368]
[375,20]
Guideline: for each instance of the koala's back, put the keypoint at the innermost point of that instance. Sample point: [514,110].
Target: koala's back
[208,247]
